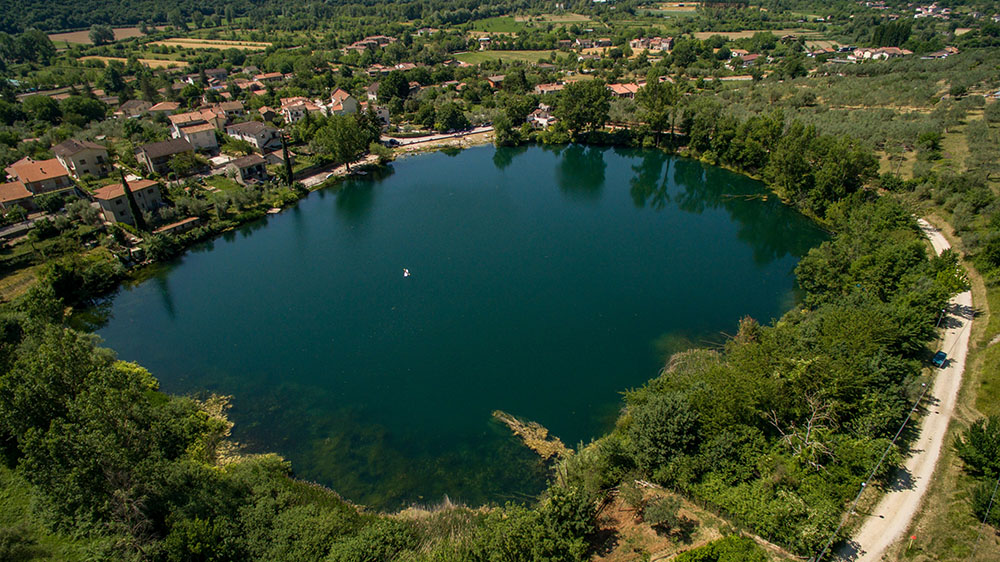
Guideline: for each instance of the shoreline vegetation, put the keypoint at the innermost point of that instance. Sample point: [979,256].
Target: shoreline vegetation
[640,445]
[535,437]
[858,117]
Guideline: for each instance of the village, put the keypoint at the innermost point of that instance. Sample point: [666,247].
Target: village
[223,126]
[246,181]
[221,132]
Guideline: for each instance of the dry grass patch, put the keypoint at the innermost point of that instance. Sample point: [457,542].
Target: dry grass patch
[702,35]
[213,44]
[83,37]
[679,7]
[17,283]
[152,63]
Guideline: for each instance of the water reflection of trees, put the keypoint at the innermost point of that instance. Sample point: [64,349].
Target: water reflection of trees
[763,224]
[504,155]
[772,229]
[646,185]
[581,170]
[355,198]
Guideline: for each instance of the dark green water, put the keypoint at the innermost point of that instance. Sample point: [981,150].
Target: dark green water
[544,282]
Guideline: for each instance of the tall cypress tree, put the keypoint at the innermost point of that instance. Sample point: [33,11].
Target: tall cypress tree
[140,222]
[288,162]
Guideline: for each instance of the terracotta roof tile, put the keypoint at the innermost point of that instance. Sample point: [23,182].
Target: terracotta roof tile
[116,190]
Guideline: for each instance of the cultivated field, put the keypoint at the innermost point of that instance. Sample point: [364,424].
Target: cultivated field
[750,33]
[83,37]
[506,56]
[152,63]
[554,18]
[676,7]
[821,44]
[499,24]
[213,44]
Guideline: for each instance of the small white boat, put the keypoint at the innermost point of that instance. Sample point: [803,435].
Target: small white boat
[406,272]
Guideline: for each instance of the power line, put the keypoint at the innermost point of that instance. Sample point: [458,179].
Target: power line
[864,485]
[989,507]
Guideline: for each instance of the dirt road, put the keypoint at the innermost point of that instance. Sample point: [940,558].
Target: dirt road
[891,517]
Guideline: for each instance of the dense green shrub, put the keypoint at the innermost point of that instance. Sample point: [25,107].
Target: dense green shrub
[729,549]
[979,447]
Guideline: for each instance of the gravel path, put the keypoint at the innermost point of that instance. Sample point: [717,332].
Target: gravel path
[891,517]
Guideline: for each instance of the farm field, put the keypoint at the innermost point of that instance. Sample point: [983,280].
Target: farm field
[500,24]
[152,63]
[554,18]
[83,37]
[506,56]
[213,44]
[702,35]
[821,44]
[681,7]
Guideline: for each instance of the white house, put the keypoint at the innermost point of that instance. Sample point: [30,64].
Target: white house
[261,135]
[83,157]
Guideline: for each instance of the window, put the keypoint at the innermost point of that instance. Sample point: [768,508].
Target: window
[83,160]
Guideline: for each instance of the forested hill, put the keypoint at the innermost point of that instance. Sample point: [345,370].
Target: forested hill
[64,15]
[56,15]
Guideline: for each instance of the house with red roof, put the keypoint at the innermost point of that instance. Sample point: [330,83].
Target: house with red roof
[40,176]
[343,103]
[114,203]
[14,193]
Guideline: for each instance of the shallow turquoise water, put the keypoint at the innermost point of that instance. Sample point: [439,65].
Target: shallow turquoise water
[544,282]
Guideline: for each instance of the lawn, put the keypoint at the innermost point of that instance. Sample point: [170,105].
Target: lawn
[222,183]
[506,56]
[499,24]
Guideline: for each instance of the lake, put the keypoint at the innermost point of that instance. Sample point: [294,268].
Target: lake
[544,281]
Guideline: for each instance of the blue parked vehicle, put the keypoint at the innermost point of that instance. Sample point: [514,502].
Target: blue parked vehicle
[939,359]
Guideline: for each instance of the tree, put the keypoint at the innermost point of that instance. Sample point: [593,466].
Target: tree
[343,139]
[147,88]
[184,164]
[140,221]
[583,106]
[516,82]
[80,110]
[662,427]
[657,100]
[393,86]
[42,108]
[450,117]
[177,20]
[662,513]
[101,34]
[10,112]
[112,80]
[289,176]
[35,45]
[979,447]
